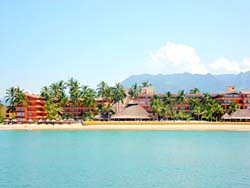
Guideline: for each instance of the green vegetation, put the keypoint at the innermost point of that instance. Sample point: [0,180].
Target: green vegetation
[135,91]
[146,84]
[72,94]
[194,91]
[173,107]
[233,107]
[15,97]
[56,96]
[2,112]
[53,110]
[1,119]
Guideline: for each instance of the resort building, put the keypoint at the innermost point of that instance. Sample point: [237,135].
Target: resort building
[228,97]
[138,109]
[34,108]
[144,101]
[225,99]
[245,99]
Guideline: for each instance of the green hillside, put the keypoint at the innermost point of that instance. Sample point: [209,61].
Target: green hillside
[206,83]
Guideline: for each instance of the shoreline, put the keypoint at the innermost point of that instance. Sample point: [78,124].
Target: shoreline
[136,126]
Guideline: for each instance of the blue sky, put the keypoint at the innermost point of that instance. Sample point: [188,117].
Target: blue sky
[46,41]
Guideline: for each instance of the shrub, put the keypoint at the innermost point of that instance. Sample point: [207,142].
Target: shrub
[1,119]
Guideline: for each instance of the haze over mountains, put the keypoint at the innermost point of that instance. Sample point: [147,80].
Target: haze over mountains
[206,83]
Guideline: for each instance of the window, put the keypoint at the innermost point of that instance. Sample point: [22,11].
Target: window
[143,102]
[29,114]
[20,109]
[182,107]
[246,101]
[227,101]
[20,114]
[232,95]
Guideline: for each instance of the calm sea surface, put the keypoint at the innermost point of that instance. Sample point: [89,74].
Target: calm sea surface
[124,159]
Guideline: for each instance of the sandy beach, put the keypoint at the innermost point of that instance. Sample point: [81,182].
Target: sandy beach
[168,126]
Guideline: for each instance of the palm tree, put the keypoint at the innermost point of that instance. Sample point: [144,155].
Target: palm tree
[20,97]
[88,101]
[168,99]
[118,94]
[146,84]
[208,113]
[156,105]
[205,98]
[15,97]
[193,102]
[88,97]
[168,102]
[58,91]
[198,111]
[233,107]
[74,91]
[194,91]
[10,99]
[134,91]
[166,111]
[181,115]
[181,97]
[53,110]
[106,110]
[217,110]
[46,93]
[212,110]
[110,94]
[102,91]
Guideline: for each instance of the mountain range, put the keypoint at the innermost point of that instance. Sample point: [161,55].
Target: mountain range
[206,83]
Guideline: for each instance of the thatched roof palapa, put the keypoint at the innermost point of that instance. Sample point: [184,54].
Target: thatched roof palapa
[225,116]
[241,114]
[132,112]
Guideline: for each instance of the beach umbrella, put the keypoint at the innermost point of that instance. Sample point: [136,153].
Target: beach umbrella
[40,121]
[6,121]
[65,120]
[53,121]
[14,121]
[30,121]
[20,121]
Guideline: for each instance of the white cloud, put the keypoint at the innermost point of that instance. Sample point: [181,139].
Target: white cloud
[179,58]
[223,65]
[175,58]
[245,65]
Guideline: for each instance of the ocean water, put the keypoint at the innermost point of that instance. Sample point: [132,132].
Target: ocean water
[124,159]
